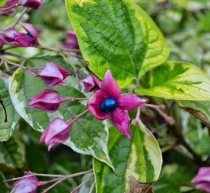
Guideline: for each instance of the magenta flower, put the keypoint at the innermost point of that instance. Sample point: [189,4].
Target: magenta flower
[12,36]
[9,4]
[47,100]
[53,74]
[202,179]
[71,43]
[26,184]
[91,83]
[34,4]
[109,103]
[56,132]
[6,9]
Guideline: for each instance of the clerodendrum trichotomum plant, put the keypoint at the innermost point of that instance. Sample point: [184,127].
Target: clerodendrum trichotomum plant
[96,76]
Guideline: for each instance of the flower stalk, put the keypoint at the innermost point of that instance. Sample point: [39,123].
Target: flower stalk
[21,15]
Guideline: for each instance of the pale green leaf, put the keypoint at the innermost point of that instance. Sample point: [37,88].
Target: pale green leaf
[117,35]
[139,158]
[177,80]
[8,120]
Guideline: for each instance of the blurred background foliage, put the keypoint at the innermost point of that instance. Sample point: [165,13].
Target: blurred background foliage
[186,27]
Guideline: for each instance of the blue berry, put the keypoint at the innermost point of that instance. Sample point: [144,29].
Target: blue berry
[108,105]
[28,35]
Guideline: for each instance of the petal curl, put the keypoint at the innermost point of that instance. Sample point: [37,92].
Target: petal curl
[91,83]
[109,85]
[202,175]
[24,41]
[129,101]
[30,29]
[93,105]
[56,132]
[121,120]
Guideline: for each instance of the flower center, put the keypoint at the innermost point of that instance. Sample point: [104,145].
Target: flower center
[28,35]
[108,105]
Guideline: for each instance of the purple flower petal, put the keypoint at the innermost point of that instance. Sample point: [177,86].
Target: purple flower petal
[56,132]
[26,185]
[53,74]
[9,3]
[121,120]
[24,41]
[204,186]
[30,29]
[71,42]
[129,101]
[47,100]
[91,83]
[202,175]
[93,105]
[34,4]
[10,33]
[12,36]
[110,86]
[64,72]
[202,179]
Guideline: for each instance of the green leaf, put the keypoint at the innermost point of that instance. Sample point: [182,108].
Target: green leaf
[87,135]
[165,185]
[90,136]
[196,135]
[13,152]
[139,158]
[3,186]
[172,179]
[117,35]
[8,120]
[2,2]
[178,80]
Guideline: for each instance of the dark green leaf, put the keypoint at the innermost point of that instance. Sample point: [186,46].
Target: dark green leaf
[12,152]
[117,35]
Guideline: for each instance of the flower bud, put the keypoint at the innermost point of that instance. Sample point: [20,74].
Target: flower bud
[47,100]
[91,83]
[71,44]
[9,3]
[53,74]
[26,185]
[56,132]
[34,4]
[202,180]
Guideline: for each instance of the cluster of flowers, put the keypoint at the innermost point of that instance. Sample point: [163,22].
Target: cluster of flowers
[11,35]
[106,102]
[34,4]
[30,36]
